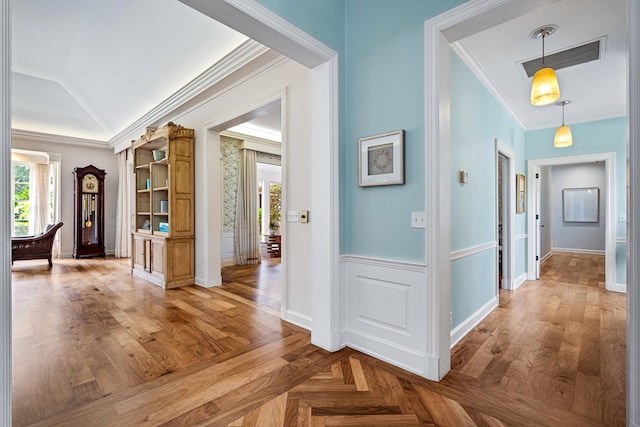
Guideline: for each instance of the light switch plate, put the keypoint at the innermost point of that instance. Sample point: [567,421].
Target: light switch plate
[292,216]
[417,220]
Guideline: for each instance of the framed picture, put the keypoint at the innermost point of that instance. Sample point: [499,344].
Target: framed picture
[581,204]
[521,193]
[381,159]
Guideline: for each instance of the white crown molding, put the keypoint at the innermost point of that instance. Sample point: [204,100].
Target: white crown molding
[461,49]
[240,57]
[286,29]
[30,136]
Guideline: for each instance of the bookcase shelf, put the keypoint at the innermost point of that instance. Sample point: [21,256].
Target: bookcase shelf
[163,240]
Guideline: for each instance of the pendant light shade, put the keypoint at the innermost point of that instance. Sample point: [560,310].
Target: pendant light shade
[563,137]
[544,88]
[563,133]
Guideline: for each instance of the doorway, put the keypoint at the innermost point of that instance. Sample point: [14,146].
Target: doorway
[533,224]
[505,214]
[260,277]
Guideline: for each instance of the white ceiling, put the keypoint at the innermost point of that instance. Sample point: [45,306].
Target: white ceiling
[89,68]
[597,89]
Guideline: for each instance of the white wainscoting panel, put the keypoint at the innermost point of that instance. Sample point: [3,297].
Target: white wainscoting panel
[384,309]
[227,247]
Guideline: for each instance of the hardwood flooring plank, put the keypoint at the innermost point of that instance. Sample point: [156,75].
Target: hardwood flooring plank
[120,351]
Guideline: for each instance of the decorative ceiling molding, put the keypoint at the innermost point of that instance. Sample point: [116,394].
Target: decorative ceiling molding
[240,57]
[25,135]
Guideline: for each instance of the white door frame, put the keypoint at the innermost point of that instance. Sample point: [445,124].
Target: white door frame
[5,212]
[212,167]
[609,220]
[509,220]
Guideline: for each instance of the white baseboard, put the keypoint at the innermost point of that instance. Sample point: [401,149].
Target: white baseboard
[297,319]
[617,287]
[546,257]
[390,352]
[579,251]
[203,284]
[519,281]
[467,325]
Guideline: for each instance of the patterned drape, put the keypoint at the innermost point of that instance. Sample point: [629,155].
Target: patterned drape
[246,236]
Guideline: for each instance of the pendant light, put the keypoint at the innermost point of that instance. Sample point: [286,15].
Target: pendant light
[544,88]
[563,133]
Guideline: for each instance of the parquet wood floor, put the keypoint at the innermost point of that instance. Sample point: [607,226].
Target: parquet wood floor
[94,346]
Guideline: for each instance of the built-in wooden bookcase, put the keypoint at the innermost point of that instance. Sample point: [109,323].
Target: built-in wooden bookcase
[163,240]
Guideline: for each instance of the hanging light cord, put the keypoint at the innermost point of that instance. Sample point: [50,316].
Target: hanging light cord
[563,104]
[543,36]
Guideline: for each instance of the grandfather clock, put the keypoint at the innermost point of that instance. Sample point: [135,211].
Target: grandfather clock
[89,212]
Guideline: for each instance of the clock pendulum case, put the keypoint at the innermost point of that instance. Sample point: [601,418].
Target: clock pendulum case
[89,212]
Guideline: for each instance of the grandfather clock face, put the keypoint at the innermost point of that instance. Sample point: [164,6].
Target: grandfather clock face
[90,184]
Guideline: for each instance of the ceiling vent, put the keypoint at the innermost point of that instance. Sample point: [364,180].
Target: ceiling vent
[588,52]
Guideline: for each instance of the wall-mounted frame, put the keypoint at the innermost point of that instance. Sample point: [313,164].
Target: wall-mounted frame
[521,193]
[381,159]
[581,204]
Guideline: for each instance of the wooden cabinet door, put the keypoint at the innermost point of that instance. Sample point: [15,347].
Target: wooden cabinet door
[158,256]
[139,253]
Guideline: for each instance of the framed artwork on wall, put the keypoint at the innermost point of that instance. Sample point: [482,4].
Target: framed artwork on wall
[521,193]
[381,159]
[581,204]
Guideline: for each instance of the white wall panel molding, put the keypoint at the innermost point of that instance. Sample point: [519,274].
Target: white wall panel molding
[378,262]
[521,236]
[468,324]
[227,247]
[463,253]
[384,310]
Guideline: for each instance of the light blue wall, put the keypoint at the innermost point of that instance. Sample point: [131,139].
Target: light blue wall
[477,119]
[384,92]
[601,136]
[382,89]
[381,48]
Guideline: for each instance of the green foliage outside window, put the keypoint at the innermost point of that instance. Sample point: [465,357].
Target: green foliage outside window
[21,200]
[275,205]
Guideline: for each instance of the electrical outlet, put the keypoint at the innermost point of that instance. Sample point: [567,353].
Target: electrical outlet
[417,220]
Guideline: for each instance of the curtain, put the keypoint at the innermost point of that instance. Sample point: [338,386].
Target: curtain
[123,207]
[246,234]
[39,211]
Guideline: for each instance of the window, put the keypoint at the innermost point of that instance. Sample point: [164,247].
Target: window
[20,199]
[35,191]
